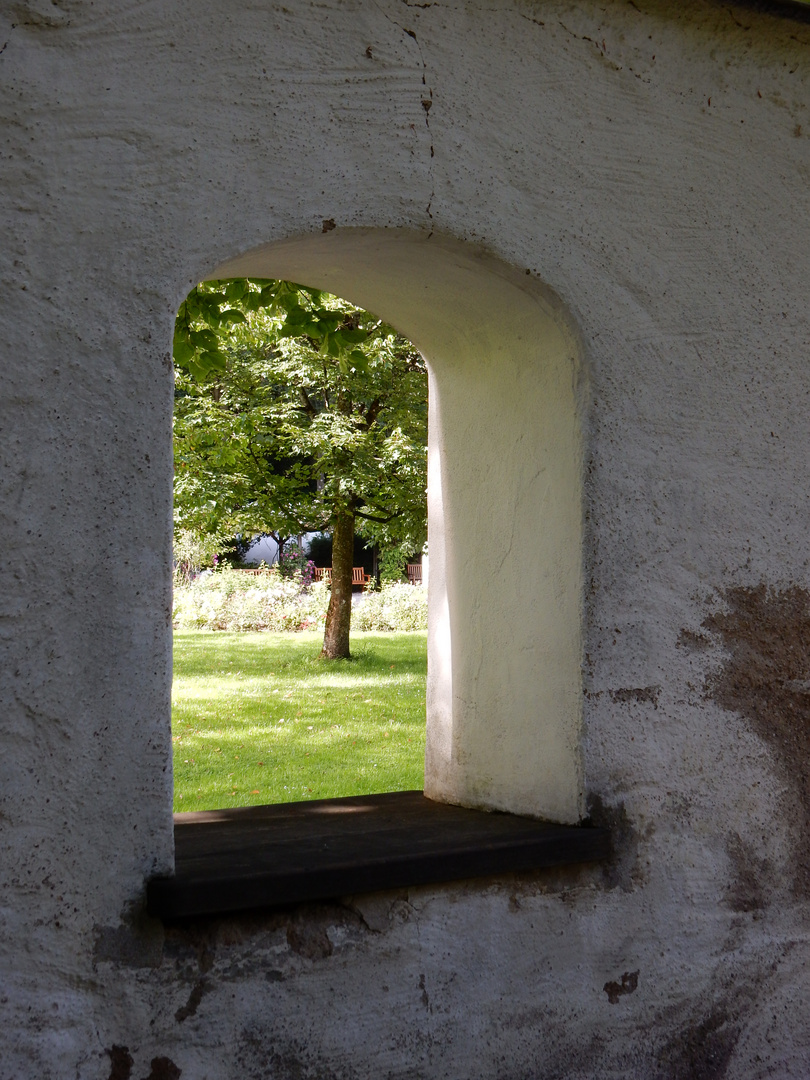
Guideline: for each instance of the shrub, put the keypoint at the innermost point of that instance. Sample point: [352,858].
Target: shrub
[393,607]
[230,600]
[392,567]
[192,552]
[293,563]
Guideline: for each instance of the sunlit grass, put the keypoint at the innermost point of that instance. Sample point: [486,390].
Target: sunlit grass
[259,718]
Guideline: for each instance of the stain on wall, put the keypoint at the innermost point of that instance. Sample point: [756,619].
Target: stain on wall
[750,874]
[121,1063]
[198,991]
[622,870]
[765,677]
[701,1051]
[163,1068]
[198,949]
[628,984]
[137,942]
[641,694]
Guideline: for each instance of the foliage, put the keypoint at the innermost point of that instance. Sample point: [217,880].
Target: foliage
[290,405]
[233,551]
[257,718]
[392,566]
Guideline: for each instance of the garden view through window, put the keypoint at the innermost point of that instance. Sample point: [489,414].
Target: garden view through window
[300,612]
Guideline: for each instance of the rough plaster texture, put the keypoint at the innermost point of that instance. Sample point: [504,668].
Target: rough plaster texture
[648,164]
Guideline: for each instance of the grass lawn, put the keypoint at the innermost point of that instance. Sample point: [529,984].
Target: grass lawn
[259,718]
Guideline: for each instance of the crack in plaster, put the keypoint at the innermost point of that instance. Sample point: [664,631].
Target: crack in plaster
[427,101]
[736,21]
[600,46]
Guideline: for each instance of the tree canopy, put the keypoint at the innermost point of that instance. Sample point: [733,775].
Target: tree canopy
[296,411]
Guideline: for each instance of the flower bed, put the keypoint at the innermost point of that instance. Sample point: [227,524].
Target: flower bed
[228,599]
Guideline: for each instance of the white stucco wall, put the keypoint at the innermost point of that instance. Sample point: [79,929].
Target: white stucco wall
[648,165]
[264,549]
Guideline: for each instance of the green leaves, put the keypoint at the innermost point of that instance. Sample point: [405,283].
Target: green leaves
[352,337]
[236,289]
[183,350]
[292,404]
[206,321]
[204,339]
[213,316]
[359,361]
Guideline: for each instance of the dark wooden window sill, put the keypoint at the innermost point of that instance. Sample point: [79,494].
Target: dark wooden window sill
[266,856]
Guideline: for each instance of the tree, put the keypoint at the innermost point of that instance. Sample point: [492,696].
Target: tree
[296,412]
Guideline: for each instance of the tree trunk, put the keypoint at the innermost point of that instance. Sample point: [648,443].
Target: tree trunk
[280,542]
[339,612]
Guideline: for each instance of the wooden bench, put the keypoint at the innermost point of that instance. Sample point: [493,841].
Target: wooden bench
[414,573]
[359,576]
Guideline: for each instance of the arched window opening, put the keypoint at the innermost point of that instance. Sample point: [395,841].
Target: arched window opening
[504,694]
